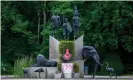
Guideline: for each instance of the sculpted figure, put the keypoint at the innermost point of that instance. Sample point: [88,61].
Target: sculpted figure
[90,52]
[75,21]
[66,28]
[56,22]
[41,61]
[67,56]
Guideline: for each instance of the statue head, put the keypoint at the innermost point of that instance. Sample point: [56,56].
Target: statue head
[75,8]
[67,52]
[66,20]
[75,11]
[67,55]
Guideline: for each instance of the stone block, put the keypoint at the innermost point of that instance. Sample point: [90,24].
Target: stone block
[53,49]
[32,74]
[81,67]
[78,48]
[51,71]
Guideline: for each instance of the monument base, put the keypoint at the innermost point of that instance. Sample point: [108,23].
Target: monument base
[32,74]
[81,68]
[67,70]
[48,72]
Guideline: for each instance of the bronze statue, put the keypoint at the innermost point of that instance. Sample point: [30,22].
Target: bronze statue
[75,21]
[89,51]
[41,61]
[67,57]
[66,28]
[56,22]
[110,70]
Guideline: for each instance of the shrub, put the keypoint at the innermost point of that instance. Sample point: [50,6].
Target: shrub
[66,45]
[6,68]
[114,62]
[76,67]
[21,64]
[59,67]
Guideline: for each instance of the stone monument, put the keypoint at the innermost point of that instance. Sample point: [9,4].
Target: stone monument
[53,49]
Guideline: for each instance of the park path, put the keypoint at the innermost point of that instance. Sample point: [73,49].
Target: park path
[129,77]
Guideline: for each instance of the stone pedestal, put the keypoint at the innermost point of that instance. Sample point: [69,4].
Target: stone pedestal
[32,74]
[58,75]
[78,48]
[76,75]
[53,49]
[48,72]
[51,71]
[67,69]
[81,68]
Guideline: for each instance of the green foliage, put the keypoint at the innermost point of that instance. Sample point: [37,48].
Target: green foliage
[61,7]
[105,25]
[114,62]
[21,64]
[76,67]
[66,45]
[6,68]
[59,67]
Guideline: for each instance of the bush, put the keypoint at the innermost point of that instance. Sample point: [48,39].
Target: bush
[76,67]
[21,64]
[59,67]
[6,68]
[114,62]
[66,45]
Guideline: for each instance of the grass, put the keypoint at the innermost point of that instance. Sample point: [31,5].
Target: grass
[21,64]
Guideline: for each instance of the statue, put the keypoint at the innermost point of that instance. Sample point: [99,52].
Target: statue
[89,51]
[110,70]
[75,21]
[66,28]
[67,57]
[56,22]
[41,61]
[39,71]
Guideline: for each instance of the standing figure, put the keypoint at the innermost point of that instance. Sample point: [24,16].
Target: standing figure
[75,21]
[56,22]
[66,28]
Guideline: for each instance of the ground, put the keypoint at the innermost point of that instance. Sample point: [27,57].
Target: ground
[128,77]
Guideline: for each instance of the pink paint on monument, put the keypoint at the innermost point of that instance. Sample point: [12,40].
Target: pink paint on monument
[67,55]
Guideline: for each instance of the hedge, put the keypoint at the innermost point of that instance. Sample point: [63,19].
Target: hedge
[66,45]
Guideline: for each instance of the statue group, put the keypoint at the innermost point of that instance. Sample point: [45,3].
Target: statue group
[67,29]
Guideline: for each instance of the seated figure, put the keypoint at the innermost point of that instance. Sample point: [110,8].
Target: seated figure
[67,57]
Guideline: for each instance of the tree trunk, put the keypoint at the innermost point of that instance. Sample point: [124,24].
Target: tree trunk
[44,20]
[38,27]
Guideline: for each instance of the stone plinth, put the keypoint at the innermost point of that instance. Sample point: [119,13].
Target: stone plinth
[32,74]
[81,68]
[48,72]
[78,48]
[67,69]
[53,48]
[51,71]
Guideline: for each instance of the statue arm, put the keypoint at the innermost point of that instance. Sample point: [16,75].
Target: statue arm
[73,21]
[59,21]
